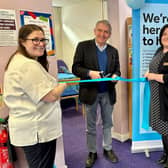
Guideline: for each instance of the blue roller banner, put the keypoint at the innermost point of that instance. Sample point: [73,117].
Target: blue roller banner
[146,24]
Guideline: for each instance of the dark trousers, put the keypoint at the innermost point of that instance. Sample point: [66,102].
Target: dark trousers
[165,143]
[41,155]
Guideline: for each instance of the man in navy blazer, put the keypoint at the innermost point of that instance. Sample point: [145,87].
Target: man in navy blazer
[96,59]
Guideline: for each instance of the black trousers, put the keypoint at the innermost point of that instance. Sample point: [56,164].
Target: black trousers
[165,143]
[40,155]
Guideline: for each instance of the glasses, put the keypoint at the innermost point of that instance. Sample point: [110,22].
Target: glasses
[37,41]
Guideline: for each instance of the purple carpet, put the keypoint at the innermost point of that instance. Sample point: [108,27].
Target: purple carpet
[76,150]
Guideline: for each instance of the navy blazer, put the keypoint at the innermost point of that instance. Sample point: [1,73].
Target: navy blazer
[86,59]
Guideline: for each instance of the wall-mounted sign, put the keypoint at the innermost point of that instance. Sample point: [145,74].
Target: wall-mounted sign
[8,32]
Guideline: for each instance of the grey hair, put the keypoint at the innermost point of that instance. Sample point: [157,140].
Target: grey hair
[105,22]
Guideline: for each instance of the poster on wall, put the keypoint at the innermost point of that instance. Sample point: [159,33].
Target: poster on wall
[147,22]
[43,20]
[8,30]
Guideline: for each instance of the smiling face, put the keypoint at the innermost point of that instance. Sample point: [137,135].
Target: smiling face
[102,33]
[164,39]
[35,49]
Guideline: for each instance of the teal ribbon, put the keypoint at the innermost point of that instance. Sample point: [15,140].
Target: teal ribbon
[146,102]
[146,107]
[107,79]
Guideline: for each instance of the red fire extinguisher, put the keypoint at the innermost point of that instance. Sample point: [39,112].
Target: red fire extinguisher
[4,154]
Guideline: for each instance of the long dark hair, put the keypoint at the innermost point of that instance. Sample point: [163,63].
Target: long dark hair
[161,34]
[24,32]
[43,60]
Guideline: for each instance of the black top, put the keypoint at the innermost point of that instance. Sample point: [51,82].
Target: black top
[163,88]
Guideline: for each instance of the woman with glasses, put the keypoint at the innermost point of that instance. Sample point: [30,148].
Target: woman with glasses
[32,96]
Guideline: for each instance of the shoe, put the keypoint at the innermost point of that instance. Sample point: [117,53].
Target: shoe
[110,155]
[165,165]
[92,157]
[163,159]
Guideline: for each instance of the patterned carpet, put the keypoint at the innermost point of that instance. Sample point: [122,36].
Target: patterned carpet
[76,151]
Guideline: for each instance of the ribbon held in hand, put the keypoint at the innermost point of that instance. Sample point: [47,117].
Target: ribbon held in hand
[107,79]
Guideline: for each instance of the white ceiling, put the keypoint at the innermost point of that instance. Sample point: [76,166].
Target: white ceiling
[61,3]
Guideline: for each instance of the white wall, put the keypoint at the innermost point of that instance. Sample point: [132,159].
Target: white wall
[78,21]
[57,15]
[118,11]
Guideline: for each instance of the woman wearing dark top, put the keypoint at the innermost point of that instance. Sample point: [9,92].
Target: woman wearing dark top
[158,77]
